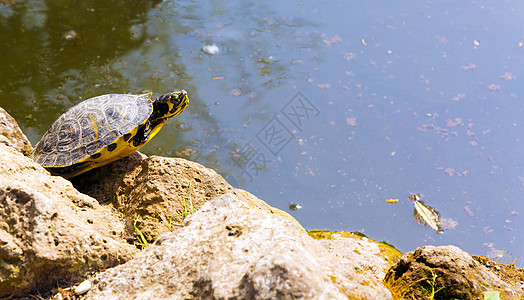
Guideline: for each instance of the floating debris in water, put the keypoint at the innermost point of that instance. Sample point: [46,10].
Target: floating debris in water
[236,92]
[70,35]
[351,121]
[508,76]
[470,66]
[295,206]
[448,224]
[424,214]
[211,49]
[427,215]
[469,211]
[494,87]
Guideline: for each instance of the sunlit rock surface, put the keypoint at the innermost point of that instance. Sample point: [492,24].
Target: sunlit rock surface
[231,250]
[49,232]
[12,135]
[457,274]
[153,189]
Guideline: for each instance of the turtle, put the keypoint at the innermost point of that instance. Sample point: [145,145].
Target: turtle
[103,129]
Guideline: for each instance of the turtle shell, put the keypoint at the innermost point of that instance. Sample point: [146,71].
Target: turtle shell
[79,135]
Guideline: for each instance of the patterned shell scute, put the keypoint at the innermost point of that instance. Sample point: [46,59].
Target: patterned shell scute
[90,126]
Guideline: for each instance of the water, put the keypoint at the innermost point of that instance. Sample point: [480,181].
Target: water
[333,105]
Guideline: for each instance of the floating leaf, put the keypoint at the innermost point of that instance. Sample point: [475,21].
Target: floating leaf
[427,215]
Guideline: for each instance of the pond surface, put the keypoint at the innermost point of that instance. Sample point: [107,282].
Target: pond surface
[332,107]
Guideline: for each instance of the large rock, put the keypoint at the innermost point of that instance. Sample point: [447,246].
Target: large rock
[230,249]
[457,274]
[11,134]
[154,189]
[49,232]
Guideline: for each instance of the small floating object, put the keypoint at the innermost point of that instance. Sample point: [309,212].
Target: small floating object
[236,92]
[211,49]
[83,287]
[70,35]
[392,200]
[427,216]
[295,206]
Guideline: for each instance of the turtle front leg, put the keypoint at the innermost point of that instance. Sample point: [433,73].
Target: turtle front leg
[142,134]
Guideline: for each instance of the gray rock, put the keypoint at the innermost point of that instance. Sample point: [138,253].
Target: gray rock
[49,232]
[232,249]
[460,275]
[11,135]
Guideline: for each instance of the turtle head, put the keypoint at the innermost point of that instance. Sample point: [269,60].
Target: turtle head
[170,105]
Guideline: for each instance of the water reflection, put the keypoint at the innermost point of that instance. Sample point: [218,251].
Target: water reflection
[57,53]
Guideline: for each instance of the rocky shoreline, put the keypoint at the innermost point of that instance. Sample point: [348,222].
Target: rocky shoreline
[56,233]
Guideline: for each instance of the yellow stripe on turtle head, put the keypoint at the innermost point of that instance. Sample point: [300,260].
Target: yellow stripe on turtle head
[178,101]
[167,106]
